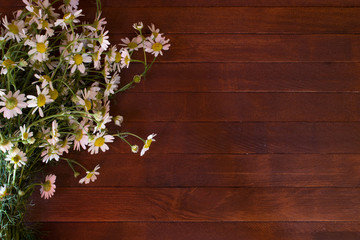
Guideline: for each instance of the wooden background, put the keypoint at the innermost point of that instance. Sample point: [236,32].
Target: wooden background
[257,112]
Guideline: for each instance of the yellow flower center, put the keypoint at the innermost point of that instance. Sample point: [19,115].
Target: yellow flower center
[89,175]
[99,142]
[117,57]
[3,194]
[13,28]
[108,86]
[87,105]
[78,59]
[127,60]
[8,63]
[147,143]
[157,47]
[47,186]
[45,24]
[25,135]
[16,159]
[96,56]
[78,135]
[68,17]
[45,77]
[132,45]
[41,100]
[53,94]
[155,34]
[36,10]
[41,47]
[11,103]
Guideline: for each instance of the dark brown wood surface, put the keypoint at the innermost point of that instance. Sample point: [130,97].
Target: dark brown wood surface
[256,107]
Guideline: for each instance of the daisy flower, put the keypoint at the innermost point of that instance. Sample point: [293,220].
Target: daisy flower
[25,133]
[99,23]
[3,191]
[103,40]
[156,46]
[147,143]
[125,58]
[90,176]
[51,153]
[94,90]
[38,102]
[85,101]
[69,17]
[80,136]
[44,80]
[132,45]
[6,145]
[111,84]
[154,31]
[43,24]
[117,60]
[16,157]
[102,121]
[99,141]
[65,145]
[39,48]
[6,65]
[54,134]
[16,29]
[47,189]
[77,60]
[96,56]
[13,103]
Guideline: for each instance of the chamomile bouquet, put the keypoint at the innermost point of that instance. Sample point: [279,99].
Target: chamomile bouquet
[58,74]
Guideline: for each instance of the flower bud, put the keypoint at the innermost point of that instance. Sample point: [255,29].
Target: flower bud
[134,148]
[118,120]
[138,26]
[76,174]
[31,140]
[137,78]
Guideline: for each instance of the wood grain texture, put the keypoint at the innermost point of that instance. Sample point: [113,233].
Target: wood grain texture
[244,107]
[198,204]
[256,111]
[232,3]
[216,170]
[205,3]
[248,77]
[237,20]
[209,231]
[260,48]
[244,138]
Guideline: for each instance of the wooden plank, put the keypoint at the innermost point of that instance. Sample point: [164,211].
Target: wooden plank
[244,138]
[204,3]
[238,106]
[235,20]
[179,170]
[248,77]
[263,48]
[207,230]
[198,204]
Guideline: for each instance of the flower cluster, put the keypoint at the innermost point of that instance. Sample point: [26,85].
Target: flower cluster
[58,75]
